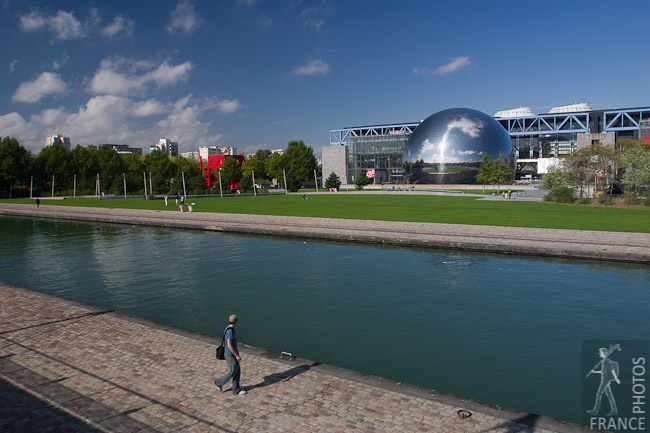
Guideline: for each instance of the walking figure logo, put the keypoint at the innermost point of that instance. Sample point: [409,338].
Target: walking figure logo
[609,372]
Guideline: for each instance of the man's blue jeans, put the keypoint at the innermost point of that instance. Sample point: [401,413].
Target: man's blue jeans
[234,373]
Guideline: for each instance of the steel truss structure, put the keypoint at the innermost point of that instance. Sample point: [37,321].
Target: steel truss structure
[624,120]
[560,123]
[340,136]
[564,123]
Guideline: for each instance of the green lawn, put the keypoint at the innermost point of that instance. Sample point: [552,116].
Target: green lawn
[415,208]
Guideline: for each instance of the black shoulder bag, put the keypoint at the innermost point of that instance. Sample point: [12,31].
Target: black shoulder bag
[221,349]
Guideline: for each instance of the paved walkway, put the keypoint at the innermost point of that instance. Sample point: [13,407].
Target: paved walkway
[67,366]
[619,246]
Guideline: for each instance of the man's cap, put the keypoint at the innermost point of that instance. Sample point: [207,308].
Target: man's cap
[232,318]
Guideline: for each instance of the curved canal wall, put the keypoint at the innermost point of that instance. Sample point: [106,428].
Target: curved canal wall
[581,244]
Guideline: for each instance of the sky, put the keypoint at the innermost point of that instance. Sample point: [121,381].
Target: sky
[256,74]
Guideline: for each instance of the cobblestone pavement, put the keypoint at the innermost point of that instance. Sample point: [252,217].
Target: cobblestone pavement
[67,366]
[619,246]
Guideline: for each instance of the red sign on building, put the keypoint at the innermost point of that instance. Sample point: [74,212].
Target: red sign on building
[370,173]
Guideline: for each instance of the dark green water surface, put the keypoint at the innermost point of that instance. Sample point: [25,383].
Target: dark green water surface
[502,329]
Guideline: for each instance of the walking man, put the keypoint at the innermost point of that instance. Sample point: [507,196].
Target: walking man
[232,359]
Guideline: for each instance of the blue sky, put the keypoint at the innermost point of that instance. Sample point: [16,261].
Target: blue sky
[255,74]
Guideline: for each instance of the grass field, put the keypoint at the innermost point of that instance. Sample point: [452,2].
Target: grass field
[413,208]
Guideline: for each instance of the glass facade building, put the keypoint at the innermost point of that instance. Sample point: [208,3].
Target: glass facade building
[561,131]
[383,153]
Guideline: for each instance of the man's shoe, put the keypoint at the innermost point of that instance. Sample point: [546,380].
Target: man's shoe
[242,392]
[220,388]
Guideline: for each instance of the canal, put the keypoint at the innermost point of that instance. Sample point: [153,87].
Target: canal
[507,330]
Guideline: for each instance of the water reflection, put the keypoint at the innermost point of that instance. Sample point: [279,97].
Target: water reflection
[477,325]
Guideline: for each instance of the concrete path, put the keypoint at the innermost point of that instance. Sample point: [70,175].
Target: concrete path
[618,246]
[67,366]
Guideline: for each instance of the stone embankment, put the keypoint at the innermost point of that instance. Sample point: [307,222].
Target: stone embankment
[72,367]
[615,246]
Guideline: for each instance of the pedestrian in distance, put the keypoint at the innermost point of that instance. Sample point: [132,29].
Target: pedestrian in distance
[232,359]
[165,200]
[38,202]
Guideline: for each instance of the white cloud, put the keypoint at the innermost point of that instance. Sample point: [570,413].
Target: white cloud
[60,62]
[312,68]
[63,24]
[107,80]
[184,125]
[32,91]
[149,107]
[165,74]
[228,106]
[12,65]
[184,18]
[121,26]
[12,124]
[454,65]
[32,21]
[225,106]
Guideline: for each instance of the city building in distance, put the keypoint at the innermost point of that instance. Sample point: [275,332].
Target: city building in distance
[58,139]
[205,151]
[122,149]
[166,146]
[538,140]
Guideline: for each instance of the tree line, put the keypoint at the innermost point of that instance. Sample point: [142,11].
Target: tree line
[602,171]
[77,171]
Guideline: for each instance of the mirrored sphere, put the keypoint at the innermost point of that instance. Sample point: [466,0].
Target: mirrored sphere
[448,147]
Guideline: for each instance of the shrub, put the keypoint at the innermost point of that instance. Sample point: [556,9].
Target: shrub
[584,200]
[548,197]
[605,199]
[631,197]
[333,181]
[564,194]
[245,184]
[361,181]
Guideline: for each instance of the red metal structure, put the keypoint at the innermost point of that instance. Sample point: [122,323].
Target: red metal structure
[216,162]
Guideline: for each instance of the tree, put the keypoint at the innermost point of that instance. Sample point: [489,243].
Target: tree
[231,171]
[300,160]
[635,161]
[554,178]
[275,166]
[293,183]
[52,161]
[162,170]
[362,180]
[83,165]
[14,162]
[494,171]
[484,174]
[257,164]
[111,169]
[333,181]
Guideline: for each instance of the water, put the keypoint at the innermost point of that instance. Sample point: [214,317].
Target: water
[506,330]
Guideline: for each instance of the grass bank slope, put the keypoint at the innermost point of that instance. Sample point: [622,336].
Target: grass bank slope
[409,208]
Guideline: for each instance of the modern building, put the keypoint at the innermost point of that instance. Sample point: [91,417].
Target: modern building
[535,137]
[58,139]
[213,164]
[205,151]
[166,146]
[123,149]
[191,155]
